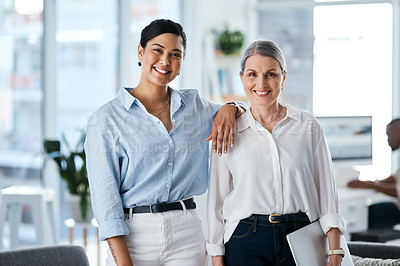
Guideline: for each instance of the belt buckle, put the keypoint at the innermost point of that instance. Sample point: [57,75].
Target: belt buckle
[271,217]
[151,207]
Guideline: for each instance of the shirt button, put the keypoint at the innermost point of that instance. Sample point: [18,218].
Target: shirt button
[173,120]
[170,141]
[167,185]
[169,163]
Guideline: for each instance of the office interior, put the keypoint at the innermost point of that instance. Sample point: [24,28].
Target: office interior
[61,60]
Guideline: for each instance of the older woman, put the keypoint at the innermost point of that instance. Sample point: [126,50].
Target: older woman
[277,178]
[147,156]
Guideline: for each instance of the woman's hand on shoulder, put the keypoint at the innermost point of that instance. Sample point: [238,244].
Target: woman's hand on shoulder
[223,129]
[217,260]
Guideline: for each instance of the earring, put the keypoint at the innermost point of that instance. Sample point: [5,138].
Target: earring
[139,63]
[179,73]
[282,88]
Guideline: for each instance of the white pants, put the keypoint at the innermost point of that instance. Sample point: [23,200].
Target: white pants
[169,238]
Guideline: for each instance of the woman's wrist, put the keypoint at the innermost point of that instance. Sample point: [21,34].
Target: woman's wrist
[338,251]
[236,105]
[239,110]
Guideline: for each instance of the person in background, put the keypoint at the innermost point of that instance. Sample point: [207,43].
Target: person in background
[389,186]
[147,156]
[276,179]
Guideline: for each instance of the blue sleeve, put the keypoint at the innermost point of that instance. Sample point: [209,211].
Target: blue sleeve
[104,176]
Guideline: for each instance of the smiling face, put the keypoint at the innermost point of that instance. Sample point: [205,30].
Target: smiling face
[161,59]
[262,80]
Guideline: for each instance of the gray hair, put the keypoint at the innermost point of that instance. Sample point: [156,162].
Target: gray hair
[264,48]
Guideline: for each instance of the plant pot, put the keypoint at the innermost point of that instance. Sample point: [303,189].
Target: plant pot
[75,210]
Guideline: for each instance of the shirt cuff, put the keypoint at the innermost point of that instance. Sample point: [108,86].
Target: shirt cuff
[332,220]
[116,227]
[243,105]
[215,249]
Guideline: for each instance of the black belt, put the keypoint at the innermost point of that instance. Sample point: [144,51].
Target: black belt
[280,218]
[163,207]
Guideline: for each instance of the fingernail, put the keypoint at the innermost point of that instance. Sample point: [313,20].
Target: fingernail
[231,145]
[225,151]
[214,150]
[219,154]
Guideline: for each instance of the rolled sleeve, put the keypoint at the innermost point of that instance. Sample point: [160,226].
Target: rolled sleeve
[215,249]
[333,220]
[111,228]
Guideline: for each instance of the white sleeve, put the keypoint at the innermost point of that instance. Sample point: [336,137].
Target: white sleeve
[219,188]
[325,184]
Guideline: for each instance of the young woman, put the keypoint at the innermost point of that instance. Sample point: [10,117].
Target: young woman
[277,178]
[147,156]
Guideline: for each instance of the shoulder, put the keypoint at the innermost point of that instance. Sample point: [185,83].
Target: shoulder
[300,115]
[105,111]
[307,120]
[193,97]
[188,93]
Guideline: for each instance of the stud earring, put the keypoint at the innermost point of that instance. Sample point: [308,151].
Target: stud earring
[282,88]
[139,63]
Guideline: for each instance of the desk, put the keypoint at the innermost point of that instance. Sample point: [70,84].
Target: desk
[353,206]
[41,201]
[71,224]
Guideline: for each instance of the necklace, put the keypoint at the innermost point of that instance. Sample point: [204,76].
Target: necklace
[151,111]
[265,125]
[158,108]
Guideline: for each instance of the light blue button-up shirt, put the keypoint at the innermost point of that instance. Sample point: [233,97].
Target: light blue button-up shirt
[132,160]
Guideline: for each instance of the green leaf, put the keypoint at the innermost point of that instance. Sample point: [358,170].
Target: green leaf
[84,204]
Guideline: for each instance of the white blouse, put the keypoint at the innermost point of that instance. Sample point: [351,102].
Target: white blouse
[288,171]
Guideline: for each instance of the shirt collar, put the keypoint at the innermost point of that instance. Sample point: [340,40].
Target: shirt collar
[128,99]
[125,97]
[293,113]
[247,120]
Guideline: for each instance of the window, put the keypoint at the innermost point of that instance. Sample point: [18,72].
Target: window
[87,51]
[353,70]
[21,94]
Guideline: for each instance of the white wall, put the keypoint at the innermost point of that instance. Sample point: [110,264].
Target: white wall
[199,18]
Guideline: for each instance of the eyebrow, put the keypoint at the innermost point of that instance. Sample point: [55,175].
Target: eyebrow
[177,50]
[272,69]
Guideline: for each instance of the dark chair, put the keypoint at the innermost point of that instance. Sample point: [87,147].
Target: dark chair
[60,255]
[381,219]
[374,250]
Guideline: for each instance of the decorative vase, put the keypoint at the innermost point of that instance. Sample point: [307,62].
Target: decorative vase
[75,210]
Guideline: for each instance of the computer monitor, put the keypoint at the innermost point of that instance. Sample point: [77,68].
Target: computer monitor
[349,138]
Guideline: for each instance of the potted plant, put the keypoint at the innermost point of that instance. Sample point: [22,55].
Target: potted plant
[72,169]
[229,42]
